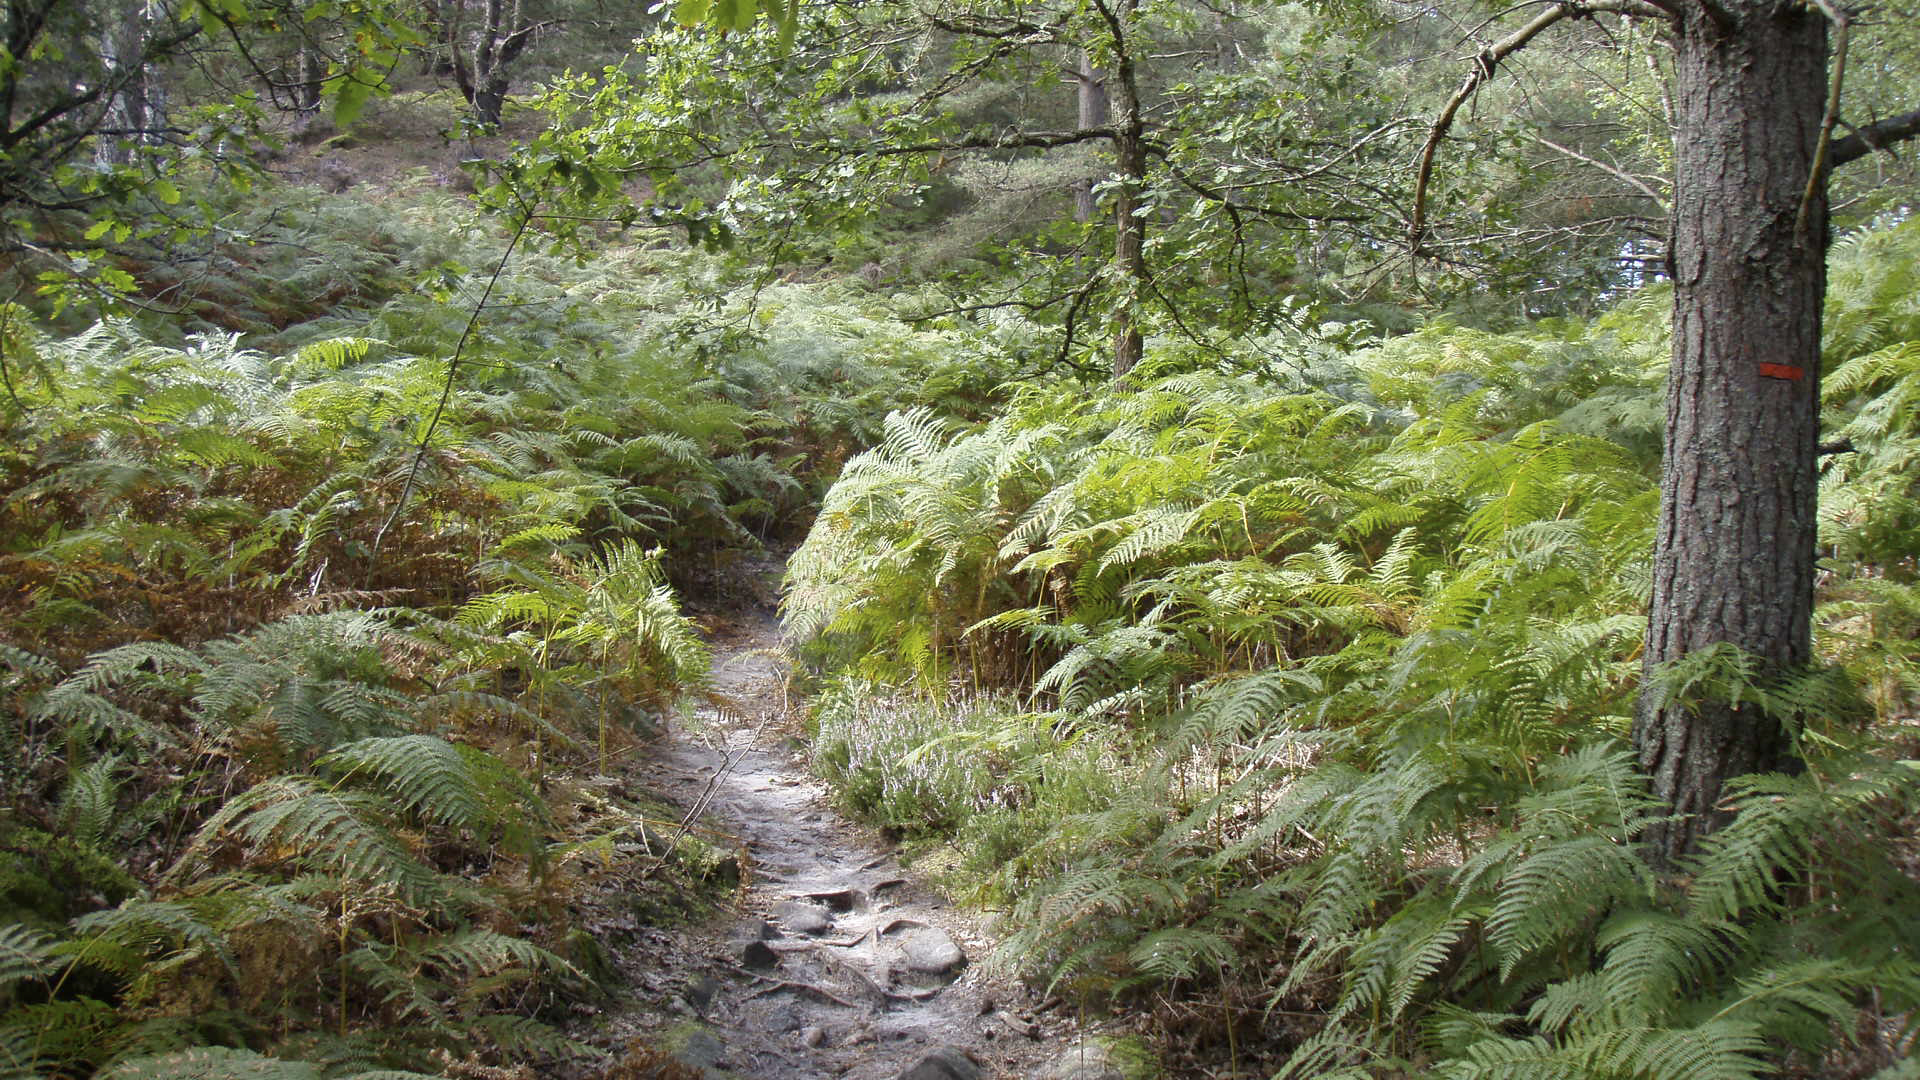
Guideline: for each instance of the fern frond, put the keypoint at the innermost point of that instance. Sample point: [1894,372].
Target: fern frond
[459,786]
[128,938]
[1533,1058]
[469,955]
[296,818]
[25,953]
[1182,952]
[1558,889]
[88,805]
[28,664]
[1804,1003]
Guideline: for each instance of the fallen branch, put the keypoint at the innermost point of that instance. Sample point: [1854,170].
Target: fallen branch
[800,987]
[804,946]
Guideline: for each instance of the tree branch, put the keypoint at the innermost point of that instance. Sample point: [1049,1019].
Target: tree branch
[1012,140]
[1621,175]
[1817,174]
[68,104]
[1028,32]
[1875,136]
[1484,66]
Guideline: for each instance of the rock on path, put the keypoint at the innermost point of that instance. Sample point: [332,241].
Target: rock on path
[838,963]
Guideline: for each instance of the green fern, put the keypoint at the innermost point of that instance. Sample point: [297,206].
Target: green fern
[458,786]
[25,954]
[296,819]
[89,805]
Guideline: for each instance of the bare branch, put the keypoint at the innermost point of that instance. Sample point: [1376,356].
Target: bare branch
[1817,174]
[1875,136]
[1030,33]
[1009,140]
[1621,175]
[446,389]
[1484,67]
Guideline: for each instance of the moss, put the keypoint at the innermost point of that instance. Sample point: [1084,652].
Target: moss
[694,1046]
[1135,1060]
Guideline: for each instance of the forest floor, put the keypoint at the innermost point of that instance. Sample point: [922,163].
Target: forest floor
[830,959]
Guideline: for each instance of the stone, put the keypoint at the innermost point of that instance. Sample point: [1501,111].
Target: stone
[696,1050]
[1018,1025]
[757,954]
[840,900]
[700,992]
[930,951]
[783,1018]
[813,1035]
[802,917]
[945,1063]
[1084,1060]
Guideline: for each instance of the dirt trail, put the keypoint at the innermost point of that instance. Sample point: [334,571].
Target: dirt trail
[836,962]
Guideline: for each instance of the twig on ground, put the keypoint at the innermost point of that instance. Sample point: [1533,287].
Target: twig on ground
[777,985]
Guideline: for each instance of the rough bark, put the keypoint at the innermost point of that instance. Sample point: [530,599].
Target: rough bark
[1733,560]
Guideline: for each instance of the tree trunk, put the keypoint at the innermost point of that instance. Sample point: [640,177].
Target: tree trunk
[1090,92]
[1129,226]
[134,107]
[481,68]
[1733,561]
[489,101]
[310,81]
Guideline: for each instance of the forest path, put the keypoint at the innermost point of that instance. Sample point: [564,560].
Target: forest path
[833,961]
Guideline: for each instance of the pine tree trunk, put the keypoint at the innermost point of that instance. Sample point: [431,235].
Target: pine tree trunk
[1733,561]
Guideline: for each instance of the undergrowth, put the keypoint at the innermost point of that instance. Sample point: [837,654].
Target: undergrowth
[1359,642]
[328,639]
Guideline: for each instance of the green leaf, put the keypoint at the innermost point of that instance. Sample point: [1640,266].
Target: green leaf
[114,278]
[733,14]
[786,15]
[352,99]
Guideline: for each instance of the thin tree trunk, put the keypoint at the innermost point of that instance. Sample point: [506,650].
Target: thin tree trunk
[489,95]
[132,110]
[308,83]
[1090,91]
[1733,561]
[490,101]
[1129,227]
[312,73]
